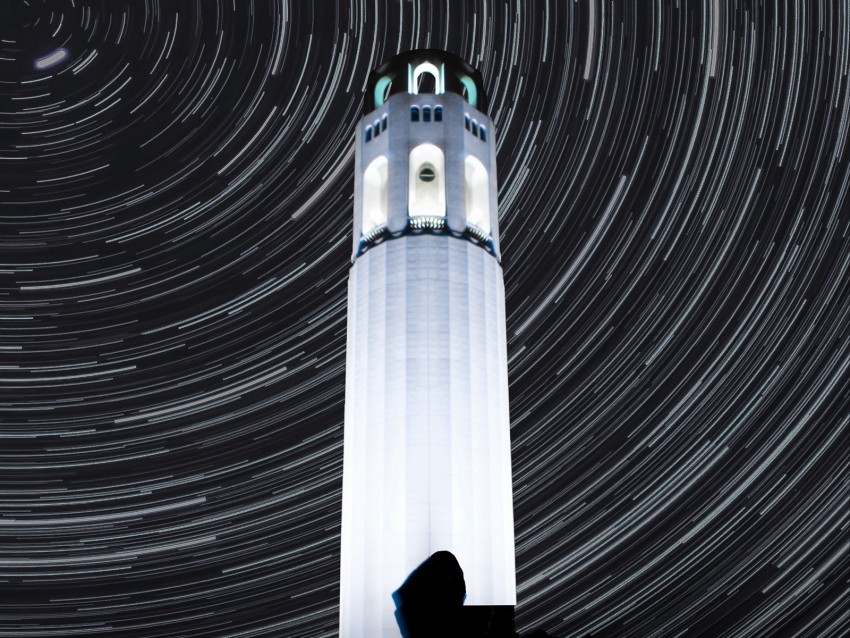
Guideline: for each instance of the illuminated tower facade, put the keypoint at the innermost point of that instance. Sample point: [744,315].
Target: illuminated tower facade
[427,462]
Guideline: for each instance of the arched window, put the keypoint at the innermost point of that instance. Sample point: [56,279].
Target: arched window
[382,90]
[375,193]
[470,92]
[477,194]
[427,189]
[435,82]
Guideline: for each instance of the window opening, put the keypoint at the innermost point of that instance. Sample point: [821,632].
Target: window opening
[427,173]
[482,133]
[425,78]
[414,113]
[368,133]
[470,93]
[427,83]
[438,113]
[477,194]
[382,90]
[426,185]
[426,113]
[375,199]
[384,123]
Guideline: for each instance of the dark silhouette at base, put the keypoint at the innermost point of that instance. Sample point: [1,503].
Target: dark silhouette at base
[429,604]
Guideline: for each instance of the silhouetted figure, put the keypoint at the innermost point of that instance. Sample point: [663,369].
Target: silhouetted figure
[430,601]
[430,605]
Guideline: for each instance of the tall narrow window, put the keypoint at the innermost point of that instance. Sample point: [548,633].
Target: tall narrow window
[427,189]
[477,194]
[482,133]
[414,113]
[438,113]
[375,194]
[426,113]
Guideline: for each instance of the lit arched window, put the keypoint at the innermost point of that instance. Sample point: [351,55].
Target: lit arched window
[375,198]
[382,90]
[415,78]
[427,190]
[470,92]
[477,194]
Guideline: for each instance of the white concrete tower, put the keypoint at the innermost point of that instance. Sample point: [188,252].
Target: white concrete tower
[427,453]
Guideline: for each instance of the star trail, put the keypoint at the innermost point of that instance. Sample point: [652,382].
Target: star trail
[176,183]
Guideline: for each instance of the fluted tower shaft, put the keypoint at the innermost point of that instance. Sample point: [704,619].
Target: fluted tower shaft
[427,462]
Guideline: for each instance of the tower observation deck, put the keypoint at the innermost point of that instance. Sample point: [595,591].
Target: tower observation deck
[427,462]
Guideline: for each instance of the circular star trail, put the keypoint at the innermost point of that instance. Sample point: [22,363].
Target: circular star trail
[176,183]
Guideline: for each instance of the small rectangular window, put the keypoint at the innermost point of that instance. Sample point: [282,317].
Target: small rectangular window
[482,133]
[438,113]
[466,121]
[414,113]
[426,113]
[377,127]
[475,128]
[368,133]
[384,123]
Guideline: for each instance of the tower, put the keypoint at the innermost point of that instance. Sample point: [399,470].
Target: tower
[427,462]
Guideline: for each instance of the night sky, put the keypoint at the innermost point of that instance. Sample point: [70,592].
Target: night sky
[176,186]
